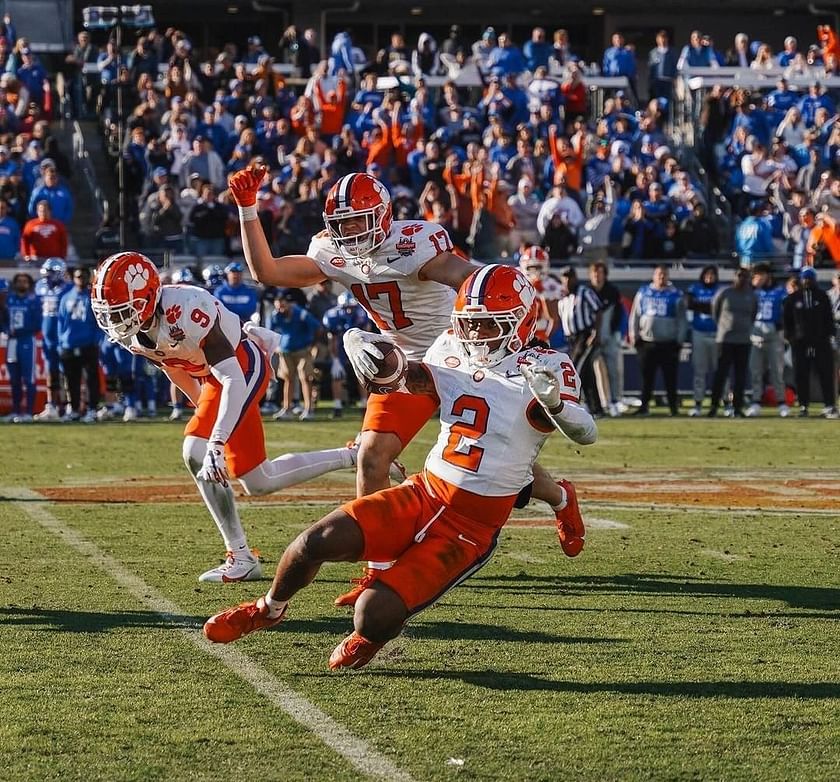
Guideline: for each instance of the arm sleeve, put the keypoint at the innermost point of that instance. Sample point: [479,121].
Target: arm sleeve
[231,378]
[575,422]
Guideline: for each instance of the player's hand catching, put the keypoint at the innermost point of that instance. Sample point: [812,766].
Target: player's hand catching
[337,370]
[543,384]
[245,184]
[214,468]
[361,352]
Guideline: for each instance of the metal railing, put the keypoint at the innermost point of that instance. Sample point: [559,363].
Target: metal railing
[82,163]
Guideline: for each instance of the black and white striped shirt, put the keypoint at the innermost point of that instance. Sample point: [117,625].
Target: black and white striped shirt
[579,310]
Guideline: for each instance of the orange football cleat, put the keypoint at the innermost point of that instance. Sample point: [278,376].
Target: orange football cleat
[350,598]
[354,651]
[232,624]
[570,527]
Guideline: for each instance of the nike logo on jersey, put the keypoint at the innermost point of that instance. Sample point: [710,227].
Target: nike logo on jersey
[391,260]
[467,540]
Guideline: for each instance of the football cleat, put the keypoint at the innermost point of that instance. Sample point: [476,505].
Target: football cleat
[361,584]
[49,413]
[784,411]
[130,414]
[354,651]
[230,625]
[234,569]
[570,529]
[754,410]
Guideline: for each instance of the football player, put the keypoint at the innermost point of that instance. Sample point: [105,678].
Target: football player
[223,370]
[534,264]
[50,288]
[499,401]
[24,321]
[404,273]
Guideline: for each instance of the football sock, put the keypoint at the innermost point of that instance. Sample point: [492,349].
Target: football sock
[292,468]
[562,504]
[222,506]
[275,607]
[380,565]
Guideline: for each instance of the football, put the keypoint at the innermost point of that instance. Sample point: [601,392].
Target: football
[392,367]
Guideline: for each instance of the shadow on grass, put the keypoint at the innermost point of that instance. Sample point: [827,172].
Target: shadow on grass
[824,598]
[511,682]
[94,621]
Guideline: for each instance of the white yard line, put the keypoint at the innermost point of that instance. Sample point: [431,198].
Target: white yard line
[356,751]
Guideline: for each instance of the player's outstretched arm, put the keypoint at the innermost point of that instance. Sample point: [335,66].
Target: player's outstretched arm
[448,269]
[290,271]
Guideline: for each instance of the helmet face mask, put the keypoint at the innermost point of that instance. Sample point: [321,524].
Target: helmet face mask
[53,270]
[494,315]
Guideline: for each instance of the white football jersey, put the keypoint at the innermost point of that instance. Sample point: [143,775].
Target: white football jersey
[413,312]
[188,316]
[489,435]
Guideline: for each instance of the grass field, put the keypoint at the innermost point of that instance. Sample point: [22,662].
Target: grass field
[696,637]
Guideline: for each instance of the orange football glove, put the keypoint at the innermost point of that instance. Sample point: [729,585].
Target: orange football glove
[245,184]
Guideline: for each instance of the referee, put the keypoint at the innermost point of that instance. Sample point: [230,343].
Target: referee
[579,309]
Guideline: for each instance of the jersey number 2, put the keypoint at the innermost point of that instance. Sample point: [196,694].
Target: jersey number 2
[469,458]
[373,290]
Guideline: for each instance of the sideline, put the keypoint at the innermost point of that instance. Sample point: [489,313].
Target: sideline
[356,751]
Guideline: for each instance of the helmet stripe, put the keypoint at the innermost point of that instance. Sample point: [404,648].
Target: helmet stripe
[479,284]
[102,272]
[344,189]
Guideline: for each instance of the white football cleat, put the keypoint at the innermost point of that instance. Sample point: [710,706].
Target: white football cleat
[753,411]
[242,568]
[176,414]
[130,414]
[613,410]
[784,411]
[49,413]
[695,411]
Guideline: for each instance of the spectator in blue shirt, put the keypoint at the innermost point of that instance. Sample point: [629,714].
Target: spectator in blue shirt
[54,192]
[78,345]
[781,99]
[24,321]
[767,353]
[505,59]
[537,51]
[297,328]
[788,54]
[346,315]
[815,99]
[106,63]
[619,60]
[9,233]
[697,53]
[8,166]
[50,289]
[238,297]
[754,236]
[662,67]
[31,74]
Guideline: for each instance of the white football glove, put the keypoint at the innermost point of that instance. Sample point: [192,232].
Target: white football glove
[337,370]
[543,383]
[214,468]
[361,352]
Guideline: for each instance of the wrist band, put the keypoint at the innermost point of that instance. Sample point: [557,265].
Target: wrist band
[247,212]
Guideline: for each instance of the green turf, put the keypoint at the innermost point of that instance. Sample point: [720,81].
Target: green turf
[687,645]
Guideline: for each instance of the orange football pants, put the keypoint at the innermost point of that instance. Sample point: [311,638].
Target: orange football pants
[435,544]
[245,449]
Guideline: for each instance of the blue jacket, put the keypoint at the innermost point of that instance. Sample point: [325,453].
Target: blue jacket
[703,321]
[770,305]
[536,54]
[59,198]
[24,313]
[754,240]
[808,107]
[297,328]
[50,299]
[619,61]
[9,237]
[241,300]
[504,60]
[76,324]
[32,77]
